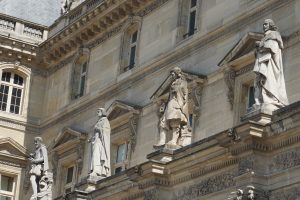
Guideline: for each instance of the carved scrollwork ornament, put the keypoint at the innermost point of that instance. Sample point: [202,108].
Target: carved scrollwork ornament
[229,77]
[133,131]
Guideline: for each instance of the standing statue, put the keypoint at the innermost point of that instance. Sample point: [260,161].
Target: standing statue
[66,6]
[39,175]
[100,162]
[269,85]
[175,113]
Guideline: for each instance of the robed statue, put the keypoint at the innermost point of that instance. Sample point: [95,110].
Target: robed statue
[174,118]
[40,179]
[100,161]
[270,90]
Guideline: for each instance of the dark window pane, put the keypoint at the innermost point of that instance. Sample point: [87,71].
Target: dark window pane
[7,183]
[13,100]
[193,3]
[191,120]
[14,92]
[17,110]
[19,92]
[12,109]
[6,89]
[6,76]
[18,101]
[5,98]
[192,23]
[132,57]
[70,175]
[2,88]
[251,99]
[18,80]
[82,83]
[134,37]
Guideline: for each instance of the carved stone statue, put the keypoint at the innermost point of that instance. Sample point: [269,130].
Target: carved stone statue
[250,195]
[269,85]
[66,6]
[175,113]
[239,194]
[100,162]
[39,176]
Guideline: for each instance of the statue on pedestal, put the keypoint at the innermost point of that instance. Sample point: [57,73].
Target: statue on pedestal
[270,90]
[100,162]
[40,179]
[174,117]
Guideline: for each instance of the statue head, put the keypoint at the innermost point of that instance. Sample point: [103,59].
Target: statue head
[269,25]
[176,72]
[37,142]
[101,112]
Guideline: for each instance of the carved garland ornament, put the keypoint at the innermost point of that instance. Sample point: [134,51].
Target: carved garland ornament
[207,186]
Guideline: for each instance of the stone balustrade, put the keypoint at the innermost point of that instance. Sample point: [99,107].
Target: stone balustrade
[15,27]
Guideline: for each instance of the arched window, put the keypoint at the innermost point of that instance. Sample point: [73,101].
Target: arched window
[129,55]
[79,77]
[11,92]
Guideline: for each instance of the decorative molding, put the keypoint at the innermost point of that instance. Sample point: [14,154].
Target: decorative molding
[244,70]
[62,63]
[286,160]
[106,36]
[205,187]
[246,164]
[288,194]
[153,6]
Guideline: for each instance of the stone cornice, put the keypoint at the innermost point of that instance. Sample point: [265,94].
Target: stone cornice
[91,28]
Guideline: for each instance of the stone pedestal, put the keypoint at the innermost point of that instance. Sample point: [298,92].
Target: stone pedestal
[163,153]
[261,115]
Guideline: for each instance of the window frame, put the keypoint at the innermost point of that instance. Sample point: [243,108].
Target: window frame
[71,184]
[11,85]
[80,61]
[124,163]
[5,193]
[25,73]
[132,26]
[192,9]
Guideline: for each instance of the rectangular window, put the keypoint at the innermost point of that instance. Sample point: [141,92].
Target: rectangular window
[251,99]
[82,79]
[132,57]
[70,173]
[15,100]
[121,153]
[6,187]
[192,18]
[3,97]
[132,50]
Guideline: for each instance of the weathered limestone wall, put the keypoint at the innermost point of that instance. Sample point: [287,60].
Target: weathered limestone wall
[158,36]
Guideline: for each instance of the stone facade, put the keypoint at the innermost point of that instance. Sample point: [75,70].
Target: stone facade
[118,55]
